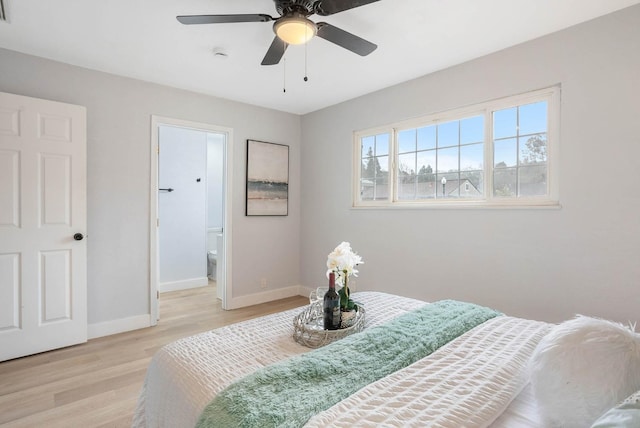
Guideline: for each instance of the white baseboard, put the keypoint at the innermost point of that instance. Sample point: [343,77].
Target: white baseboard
[265,296]
[121,325]
[305,291]
[183,284]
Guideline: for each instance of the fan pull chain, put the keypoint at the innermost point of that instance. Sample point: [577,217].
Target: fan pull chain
[305,61]
[284,75]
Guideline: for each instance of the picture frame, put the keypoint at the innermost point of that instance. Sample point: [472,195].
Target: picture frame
[267,192]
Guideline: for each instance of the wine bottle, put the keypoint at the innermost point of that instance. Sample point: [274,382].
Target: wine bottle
[331,305]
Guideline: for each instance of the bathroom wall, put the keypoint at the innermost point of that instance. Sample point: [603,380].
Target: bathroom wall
[182,212]
[215,180]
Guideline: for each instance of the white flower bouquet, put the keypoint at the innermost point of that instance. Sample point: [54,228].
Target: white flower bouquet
[343,261]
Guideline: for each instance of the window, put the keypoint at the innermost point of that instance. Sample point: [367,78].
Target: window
[497,153]
[375,167]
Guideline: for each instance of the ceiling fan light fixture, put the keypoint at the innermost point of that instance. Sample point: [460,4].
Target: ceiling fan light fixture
[295,29]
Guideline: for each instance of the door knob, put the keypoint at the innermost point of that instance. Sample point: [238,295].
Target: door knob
[78,236]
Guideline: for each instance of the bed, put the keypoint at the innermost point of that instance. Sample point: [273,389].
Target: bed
[478,379]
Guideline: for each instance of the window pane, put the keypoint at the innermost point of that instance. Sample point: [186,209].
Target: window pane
[472,157]
[447,159]
[382,144]
[448,134]
[367,170]
[426,162]
[427,137]
[471,184]
[374,172]
[532,180]
[366,189]
[371,167]
[406,165]
[407,188]
[382,178]
[427,188]
[426,178]
[533,149]
[383,161]
[407,176]
[447,189]
[505,153]
[472,130]
[407,141]
[533,118]
[367,145]
[504,182]
[452,187]
[505,123]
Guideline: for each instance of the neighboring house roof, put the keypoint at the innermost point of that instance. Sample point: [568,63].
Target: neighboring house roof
[454,185]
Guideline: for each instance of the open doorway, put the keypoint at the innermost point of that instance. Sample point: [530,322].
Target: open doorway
[190,208]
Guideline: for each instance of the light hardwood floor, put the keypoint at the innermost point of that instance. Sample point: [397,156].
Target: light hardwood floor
[96,384]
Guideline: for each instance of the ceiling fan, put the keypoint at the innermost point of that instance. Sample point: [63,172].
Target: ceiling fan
[294,27]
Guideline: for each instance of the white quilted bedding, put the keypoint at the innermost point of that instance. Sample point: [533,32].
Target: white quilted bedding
[467,383]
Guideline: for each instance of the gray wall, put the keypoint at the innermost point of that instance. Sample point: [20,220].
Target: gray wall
[119,121]
[544,264]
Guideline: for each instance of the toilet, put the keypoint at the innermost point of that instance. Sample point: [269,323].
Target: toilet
[214,246]
[212,261]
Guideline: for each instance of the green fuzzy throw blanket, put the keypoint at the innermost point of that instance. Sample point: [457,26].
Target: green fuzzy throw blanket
[288,393]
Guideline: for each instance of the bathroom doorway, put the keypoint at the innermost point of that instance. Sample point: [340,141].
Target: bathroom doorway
[190,236]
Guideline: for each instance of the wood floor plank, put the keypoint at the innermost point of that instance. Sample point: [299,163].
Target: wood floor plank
[97,384]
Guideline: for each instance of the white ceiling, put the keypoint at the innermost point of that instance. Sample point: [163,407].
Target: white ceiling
[142,39]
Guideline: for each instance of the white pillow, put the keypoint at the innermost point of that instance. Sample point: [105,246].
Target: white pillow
[582,368]
[624,415]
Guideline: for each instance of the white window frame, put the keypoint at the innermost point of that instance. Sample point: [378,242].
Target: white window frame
[486,109]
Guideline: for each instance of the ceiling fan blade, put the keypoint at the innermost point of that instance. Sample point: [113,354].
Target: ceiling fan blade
[345,39]
[275,52]
[223,19]
[329,7]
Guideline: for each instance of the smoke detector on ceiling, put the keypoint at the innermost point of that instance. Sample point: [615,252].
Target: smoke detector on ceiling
[220,53]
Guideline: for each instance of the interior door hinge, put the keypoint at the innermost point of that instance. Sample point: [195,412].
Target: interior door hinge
[157,222]
[157,294]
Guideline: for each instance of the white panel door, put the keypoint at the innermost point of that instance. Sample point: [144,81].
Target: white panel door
[43,276]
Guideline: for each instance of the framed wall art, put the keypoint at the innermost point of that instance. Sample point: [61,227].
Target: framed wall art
[267,178]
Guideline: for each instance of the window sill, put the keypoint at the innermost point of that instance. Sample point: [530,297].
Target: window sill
[460,204]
